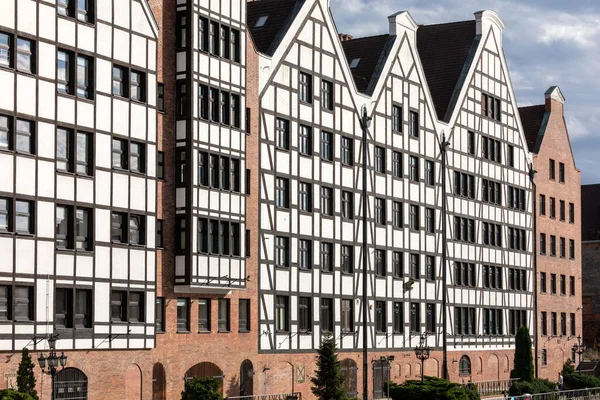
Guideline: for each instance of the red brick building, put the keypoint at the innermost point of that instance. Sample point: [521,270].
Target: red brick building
[590,236]
[558,231]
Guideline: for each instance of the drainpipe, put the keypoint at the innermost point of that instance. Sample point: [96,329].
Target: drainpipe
[443,149]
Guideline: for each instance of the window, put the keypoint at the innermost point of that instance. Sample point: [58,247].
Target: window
[126,306]
[214,38]
[25,55]
[464,366]
[77,236]
[542,204]
[471,143]
[553,324]
[138,83]
[464,321]
[551,170]
[380,212]
[415,317]
[398,318]
[414,222]
[572,319]
[464,185]
[572,286]
[413,124]
[304,314]
[160,165]
[380,317]
[326,95]
[517,239]
[563,285]
[223,317]
[283,134]
[492,234]
[415,266]
[281,252]
[491,192]
[326,146]
[430,268]
[544,323]
[204,315]
[398,264]
[305,87]
[491,149]
[21,211]
[571,213]
[562,210]
[159,311]
[326,201]
[347,317]
[347,205]
[73,308]
[347,259]
[247,243]
[491,107]
[492,321]
[511,156]
[562,248]
[25,138]
[327,257]
[397,119]
[6,132]
[181,233]
[218,237]
[182,103]
[119,81]
[543,282]
[552,245]
[261,21]
[347,151]
[464,229]
[304,254]
[305,196]
[5,49]
[183,315]
[544,357]
[414,168]
[354,63]
[380,263]
[397,214]
[517,279]
[464,275]
[380,159]
[218,172]
[552,283]
[429,172]
[137,230]
[282,192]
[160,97]
[327,315]
[563,324]
[516,198]
[542,243]
[397,169]
[430,220]
[305,140]
[561,172]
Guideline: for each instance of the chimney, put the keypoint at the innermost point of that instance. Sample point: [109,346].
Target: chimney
[345,37]
[554,99]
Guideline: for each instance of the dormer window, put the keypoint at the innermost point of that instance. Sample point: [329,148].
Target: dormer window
[354,62]
[261,21]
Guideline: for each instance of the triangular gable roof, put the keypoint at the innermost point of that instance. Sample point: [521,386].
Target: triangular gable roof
[533,119]
[444,49]
[280,14]
[150,15]
[372,52]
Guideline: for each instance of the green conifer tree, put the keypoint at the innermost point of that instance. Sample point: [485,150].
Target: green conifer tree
[328,382]
[25,377]
[523,363]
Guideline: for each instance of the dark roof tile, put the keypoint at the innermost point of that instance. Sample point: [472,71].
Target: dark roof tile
[444,50]
[531,119]
[280,14]
[372,53]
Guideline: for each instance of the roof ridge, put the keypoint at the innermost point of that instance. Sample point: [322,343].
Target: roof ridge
[449,23]
[354,39]
[531,106]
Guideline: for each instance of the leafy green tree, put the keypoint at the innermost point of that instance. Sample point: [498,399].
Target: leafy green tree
[202,389]
[523,363]
[25,377]
[328,382]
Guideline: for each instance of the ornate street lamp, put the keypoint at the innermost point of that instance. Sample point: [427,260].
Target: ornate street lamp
[50,363]
[579,349]
[422,351]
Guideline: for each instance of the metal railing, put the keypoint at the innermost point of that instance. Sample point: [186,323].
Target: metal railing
[579,394]
[278,396]
[492,387]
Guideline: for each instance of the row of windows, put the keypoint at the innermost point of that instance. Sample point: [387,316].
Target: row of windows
[215,171]
[305,91]
[214,236]
[554,324]
[552,206]
[465,276]
[17,134]
[213,104]
[214,38]
[464,186]
[552,171]
[491,107]
[464,231]
[465,321]
[563,284]
[552,245]
[205,323]
[83,10]
[17,52]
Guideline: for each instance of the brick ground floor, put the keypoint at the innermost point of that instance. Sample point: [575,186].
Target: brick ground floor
[159,373]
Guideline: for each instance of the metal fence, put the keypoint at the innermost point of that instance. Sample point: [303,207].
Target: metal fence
[493,387]
[278,396]
[579,394]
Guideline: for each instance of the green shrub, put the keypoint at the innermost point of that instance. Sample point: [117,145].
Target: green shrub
[433,389]
[568,368]
[202,389]
[9,394]
[577,381]
[535,386]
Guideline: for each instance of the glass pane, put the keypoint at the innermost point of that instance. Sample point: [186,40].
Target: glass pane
[82,153]
[63,69]
[23,143]
[62,146]
[23,207]
[82,76]
[24,55]
[23,126]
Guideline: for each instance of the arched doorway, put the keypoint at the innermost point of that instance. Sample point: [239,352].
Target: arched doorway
[159,382]
[246,378]
[70,383]
[381,374]
[133,383]
[464,366]
[205,370]
[494,366]
[349,371]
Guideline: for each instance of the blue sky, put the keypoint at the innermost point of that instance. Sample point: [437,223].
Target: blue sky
[546,42]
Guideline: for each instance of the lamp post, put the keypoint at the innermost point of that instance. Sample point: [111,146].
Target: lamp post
[50,363]
[422,351]
[579,348]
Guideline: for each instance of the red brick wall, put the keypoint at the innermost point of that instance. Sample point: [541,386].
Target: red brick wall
[556,146]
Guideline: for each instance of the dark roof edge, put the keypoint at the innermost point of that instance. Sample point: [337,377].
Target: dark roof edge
[541,133]
[462,78]
[380,64]
[285,27]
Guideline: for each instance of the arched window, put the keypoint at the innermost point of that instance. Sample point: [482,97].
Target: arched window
[464,366]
